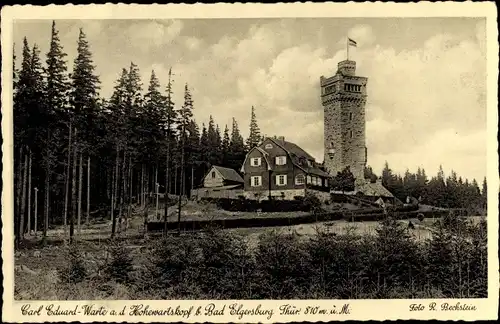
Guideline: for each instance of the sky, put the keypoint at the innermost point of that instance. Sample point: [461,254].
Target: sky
[426,103]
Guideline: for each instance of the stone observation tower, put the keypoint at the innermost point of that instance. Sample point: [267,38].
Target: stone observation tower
[343,97]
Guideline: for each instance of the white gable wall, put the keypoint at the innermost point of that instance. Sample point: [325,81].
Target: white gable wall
[210,181]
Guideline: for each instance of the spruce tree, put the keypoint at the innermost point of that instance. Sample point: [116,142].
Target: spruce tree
[484,193]
[169,118]
[236,148]
[204,143]
[84,100]
[254,138]
[185,116]
[213,147]
[225,146]
[151,131]
[84,92]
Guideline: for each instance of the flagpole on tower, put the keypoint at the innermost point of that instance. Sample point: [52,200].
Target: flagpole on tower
[347,45]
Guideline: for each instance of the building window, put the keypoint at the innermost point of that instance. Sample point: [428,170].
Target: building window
[256,181]
[280,160]
[350,133]
[299,179]
[213,174]
[308,179]
[268,146]
[281,180]
[255,161]
[350,116]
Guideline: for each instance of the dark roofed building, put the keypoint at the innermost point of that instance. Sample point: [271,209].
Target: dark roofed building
[282,169]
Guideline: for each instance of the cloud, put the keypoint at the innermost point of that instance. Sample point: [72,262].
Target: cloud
[362,34]
[426,94]
[153,34]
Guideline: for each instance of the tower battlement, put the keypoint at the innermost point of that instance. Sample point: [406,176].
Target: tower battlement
[343,97]
[347,67]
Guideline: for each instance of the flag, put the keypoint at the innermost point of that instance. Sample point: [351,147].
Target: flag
[352,43]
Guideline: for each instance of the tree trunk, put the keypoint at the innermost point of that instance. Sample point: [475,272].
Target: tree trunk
[122,190]
[17,213]
[47,207]
[192,179]
[175,182]
[140,188]
[157,187]
[23,197]
[73,192]
[130,187]
[48,174]
[66,194]
[114,192]
[29,193]
[181,185]
[88,191]
[167,187]
[36,211]
[146,191]
[80,178]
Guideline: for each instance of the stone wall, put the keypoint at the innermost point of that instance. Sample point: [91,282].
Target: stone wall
[344,112]
[289,194]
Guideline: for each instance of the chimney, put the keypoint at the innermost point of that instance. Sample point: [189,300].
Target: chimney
[281,138]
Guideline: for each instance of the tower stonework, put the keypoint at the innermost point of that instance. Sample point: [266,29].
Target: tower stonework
[343,97]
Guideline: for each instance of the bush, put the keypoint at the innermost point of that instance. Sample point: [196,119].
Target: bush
[177,264]
[339,264]
[228,267]
[312,203]
[75,272]
[283,266]
[397,259]
[120,267]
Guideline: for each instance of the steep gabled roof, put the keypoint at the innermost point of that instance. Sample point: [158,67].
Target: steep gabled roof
[292,148]
[229,174]
[298,155]
[264,154]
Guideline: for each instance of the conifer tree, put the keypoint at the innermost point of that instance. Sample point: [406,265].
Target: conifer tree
[213,146]
[236,148]
[57,95]
[151,126]
[185,116]
[225,146]
[204,143]
[84,100]
[169,118]
[484,193]
[43,120]
[218,141]
[254,138]
[117,123]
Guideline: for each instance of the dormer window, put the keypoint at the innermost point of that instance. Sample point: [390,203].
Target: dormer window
[255,162]
[280,160]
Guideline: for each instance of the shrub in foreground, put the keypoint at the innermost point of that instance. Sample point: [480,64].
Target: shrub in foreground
[75,272]
[120,268]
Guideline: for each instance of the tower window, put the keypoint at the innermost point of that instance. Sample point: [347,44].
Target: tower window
[350,116]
